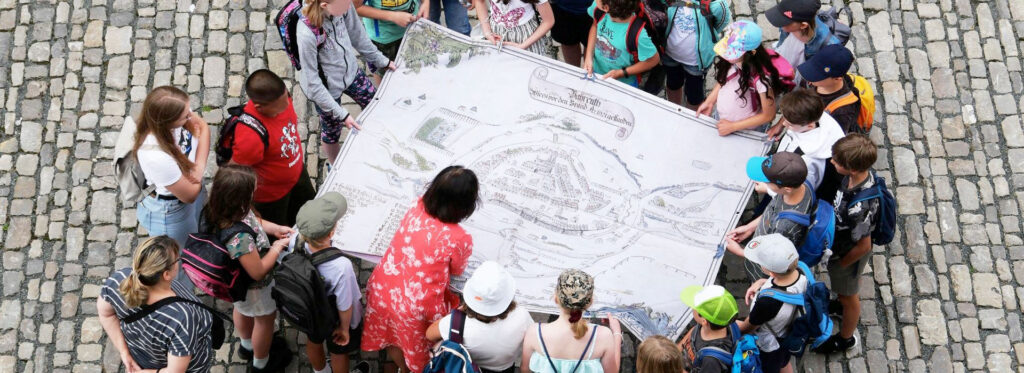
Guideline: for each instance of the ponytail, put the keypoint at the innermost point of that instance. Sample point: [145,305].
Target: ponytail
[577,323]
[314,13]
[152,258]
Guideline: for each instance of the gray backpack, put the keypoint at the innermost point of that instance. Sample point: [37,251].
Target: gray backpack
[131,182]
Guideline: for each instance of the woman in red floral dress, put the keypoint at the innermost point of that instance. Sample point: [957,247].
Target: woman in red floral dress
[408,290]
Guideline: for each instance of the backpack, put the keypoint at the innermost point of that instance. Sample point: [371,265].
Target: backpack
[286,20]
[651,15]
[131,181]
[860,90]
[217,333]
[207,262]
[451,356]
[821,229]
[226,140]
[885,225]
[811,323]
[745,357]
[787,75]
[840,30]
[301,294]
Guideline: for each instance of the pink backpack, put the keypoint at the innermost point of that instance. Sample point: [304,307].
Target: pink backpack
[787,74]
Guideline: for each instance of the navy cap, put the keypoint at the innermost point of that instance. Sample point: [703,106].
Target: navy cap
[789,11]
[831,61]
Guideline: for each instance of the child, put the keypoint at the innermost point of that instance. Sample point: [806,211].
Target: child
[783,173]
[853,156]
[572,28]
[826,72]
[657,354]
[747,81]
[455,16]
[514,22]
[689,50]
[283,184]
[770,318]
[316,222]
[798,18]
[231,202]
[385,22]
[810,132]
[713,311]
[330,68]
[607,53]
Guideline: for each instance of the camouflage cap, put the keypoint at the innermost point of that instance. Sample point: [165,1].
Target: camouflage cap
[575,289]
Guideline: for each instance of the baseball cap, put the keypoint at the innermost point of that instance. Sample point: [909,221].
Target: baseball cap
[786,169]
[489,290]
[831,61]
[316,218]
[789,11]
[740,37]
[713,303]
[575,289]
[773,251]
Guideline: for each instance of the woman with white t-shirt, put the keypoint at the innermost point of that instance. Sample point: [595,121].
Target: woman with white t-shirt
[171,145]
[494,327]
[514,23]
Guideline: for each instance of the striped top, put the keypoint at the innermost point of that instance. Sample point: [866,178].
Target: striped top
[178,328]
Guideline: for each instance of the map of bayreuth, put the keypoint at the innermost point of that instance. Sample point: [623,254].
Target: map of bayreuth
[575,173]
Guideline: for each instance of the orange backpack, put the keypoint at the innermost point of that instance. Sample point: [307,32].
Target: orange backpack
[861,91]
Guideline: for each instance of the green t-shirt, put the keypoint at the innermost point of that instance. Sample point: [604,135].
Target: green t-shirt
[610,53]
[386,31]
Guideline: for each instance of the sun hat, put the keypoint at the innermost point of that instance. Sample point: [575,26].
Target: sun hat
[740,37]
[713,303]
[785,169]
[316,218]
[489,290]
[773,251]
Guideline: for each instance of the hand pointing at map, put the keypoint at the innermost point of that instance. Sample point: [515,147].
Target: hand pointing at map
[350,122]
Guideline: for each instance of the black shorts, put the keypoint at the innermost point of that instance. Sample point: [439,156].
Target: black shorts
[284,210]
[355,338]
[570,28]
[390,50]
[774,361]
[680,77]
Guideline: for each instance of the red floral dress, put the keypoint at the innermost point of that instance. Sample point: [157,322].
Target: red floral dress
[408,290]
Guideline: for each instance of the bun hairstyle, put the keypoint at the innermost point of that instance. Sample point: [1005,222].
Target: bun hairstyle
[575,293]
[152,258]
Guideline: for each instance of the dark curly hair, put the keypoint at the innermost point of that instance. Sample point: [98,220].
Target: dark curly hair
[756,64]
[621,8]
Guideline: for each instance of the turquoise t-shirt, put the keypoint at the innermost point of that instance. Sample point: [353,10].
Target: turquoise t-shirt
[386,31]
[610,53]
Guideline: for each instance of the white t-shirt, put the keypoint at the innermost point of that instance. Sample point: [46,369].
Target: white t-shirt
[682,40]
[792,49]
[159,167]
[514,14]
[494,346]
[341,281]
[815,146]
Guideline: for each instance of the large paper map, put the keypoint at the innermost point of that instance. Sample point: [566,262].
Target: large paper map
[575,173]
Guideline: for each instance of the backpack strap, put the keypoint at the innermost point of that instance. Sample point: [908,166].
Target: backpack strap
[782,296]
[239,227]
[849,98]
[715,352]
[636,24]
[593,333]
[457,324]
[324,256]
[544,346]
[150,308]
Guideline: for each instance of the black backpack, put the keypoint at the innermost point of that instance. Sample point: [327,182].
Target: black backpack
[226,139]
[217,333]
[207,262]
[301,294]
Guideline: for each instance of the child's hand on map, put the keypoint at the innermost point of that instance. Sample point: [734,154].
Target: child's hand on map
[613,324]
[733,246]
[726,127]
[705,107]
[760,188]
[614,74]
[392,66]
[492,37]
[775,131]
[741,232]
[753,289]
[403,19]
[588,66]
[350,122]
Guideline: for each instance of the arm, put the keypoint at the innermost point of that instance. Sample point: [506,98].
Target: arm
[367,11]
[767,115]
[341,334]
[111,325]
[709,102]
[186,190]
[276,230]
[460,256]
[312,86]
[176,364]
[483,14]
[723,16]
[862,248]
[248,147]
[745,326]
[547,20]
[610,359]
[434,331]
[588,57]
[258,267]
[531,335]
[361,40]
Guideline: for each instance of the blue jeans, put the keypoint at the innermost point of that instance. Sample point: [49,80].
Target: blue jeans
[455,15]
[173,218]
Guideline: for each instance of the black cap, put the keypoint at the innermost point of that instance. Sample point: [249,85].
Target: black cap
[789,11]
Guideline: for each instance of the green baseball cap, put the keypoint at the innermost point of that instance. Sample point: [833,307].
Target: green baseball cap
[316,218]
[713,303]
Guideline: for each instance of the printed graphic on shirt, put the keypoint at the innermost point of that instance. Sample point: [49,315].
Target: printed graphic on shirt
[290,143]
[604,44]
[393,3]
[185,142]
[508,19]
[685,20]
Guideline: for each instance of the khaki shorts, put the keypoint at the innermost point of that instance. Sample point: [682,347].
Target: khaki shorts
[846,281]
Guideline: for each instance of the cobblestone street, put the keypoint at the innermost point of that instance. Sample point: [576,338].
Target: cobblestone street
[946,296]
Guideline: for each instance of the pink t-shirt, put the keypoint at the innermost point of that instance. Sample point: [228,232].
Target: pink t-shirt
[730,106]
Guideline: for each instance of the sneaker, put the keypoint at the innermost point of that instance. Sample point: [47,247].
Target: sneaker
[277,343]
[835,308]
[361,367]
[244,353]
[836,344]
[278,362]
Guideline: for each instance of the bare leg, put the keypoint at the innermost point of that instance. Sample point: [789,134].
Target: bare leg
[262,334]
[339,363]
[315,351]
[674,96]
[851,315]
[395,354]
[788,368]
[572,54]
[332,152]
[243,325]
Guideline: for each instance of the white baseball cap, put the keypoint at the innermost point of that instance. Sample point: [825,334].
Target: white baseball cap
[490,290]
[773,251]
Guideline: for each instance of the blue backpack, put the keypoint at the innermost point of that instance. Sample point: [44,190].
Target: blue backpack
[821,229]
[745,357]
[451,356]
[885,225]
[812,324]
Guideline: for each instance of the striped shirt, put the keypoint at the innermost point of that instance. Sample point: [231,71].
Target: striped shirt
[180,329]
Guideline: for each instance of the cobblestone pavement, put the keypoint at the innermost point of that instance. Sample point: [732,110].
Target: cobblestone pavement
[945,297]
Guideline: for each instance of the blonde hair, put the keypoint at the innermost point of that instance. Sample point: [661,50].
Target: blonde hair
[314,13]
[152,258]
[658,354]
[161,109]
